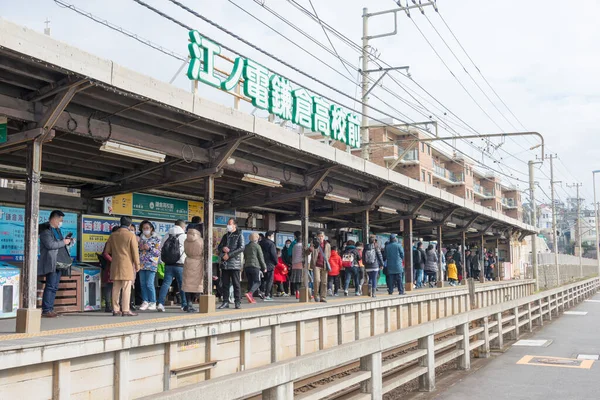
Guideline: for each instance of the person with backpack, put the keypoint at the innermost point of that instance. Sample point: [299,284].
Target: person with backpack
[320,252]
[373,262]
[230,252]
[122,246]
[395,269]
[173,255]
[419,258]
[149,244]
[350,260]
[333,277]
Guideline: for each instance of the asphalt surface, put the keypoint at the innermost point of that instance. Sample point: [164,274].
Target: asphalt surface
[502,378]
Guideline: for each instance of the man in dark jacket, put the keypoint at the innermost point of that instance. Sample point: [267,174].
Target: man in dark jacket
[373,262]
[350,259]
[419,258]
[51,242]
[395,270]
[230,251]
[270,254]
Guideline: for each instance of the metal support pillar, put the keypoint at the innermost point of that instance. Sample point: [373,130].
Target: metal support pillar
[207,300]
[304,289]
[366,229]
[440,276]
[28,317]
[554,232]
[463,245]
[596,223]
[407,238]
[534,260]
[364,128]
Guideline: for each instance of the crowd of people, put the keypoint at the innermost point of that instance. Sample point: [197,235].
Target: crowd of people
[136,255]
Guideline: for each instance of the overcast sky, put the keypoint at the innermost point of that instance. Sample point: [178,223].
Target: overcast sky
[541,57]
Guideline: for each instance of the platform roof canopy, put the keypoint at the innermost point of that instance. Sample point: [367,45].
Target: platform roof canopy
[105,102]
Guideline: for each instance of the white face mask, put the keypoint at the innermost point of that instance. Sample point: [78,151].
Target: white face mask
[230,228]
[287,245]
[147,232]
[60,225]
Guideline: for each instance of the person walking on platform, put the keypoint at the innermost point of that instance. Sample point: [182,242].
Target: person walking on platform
[254,266]
[452,271]
[319,262]
[173,255]
[350,260]
[269,251]
[286,257]
[296,275]
[193,266]
[54,254]
[149,254]
[122,247]
[230,251]
[431,265]
[419,258]
[476,264]
[333,277]
[394,255]
[373,261]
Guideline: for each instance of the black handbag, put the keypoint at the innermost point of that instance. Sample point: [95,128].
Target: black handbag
[63,259]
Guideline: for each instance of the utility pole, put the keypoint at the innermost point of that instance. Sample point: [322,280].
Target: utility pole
[551,157]
[364,129]
[578,222]
[596,222]
[534,257]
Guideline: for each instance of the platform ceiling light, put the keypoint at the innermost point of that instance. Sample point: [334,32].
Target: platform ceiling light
[337,199]
[423,218]
[451,224]
[131,151]
[387,210]
[489,233]
[259,180]
[472,230]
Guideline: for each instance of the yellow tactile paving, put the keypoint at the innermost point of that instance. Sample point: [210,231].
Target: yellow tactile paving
[156,320]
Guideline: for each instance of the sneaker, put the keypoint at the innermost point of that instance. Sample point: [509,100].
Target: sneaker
[144,306]
[329,292]
[224,305]
[357,294]
[152,306]
[250,298]
[184,308]
[261,295]
[297,294]
[268,298]
[160,308]
[237,306]
[323,301]
[317,299]
[345,293]
[373,295]
[335,295]
[191,309]
[285,295]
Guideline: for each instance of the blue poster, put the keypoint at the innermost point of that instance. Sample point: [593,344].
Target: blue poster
[12,231]
[281,237]
[223,217]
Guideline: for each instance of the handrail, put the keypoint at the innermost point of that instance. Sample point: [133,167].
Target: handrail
[283,374]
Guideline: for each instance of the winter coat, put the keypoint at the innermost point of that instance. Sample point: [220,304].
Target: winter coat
[269,252]
[352,250]
[281,271]
[431,264]
[235,242]
[452,270]
[179,232]
[297,256]
[335,262]
[253,257]
[315,255]
[193,268]
[378,258]
[149,258]
[394,255]
[122,246]
[475,262]
[286,256]
[49,246]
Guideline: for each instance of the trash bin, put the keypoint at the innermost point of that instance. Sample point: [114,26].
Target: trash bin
[10,277]
[90,283]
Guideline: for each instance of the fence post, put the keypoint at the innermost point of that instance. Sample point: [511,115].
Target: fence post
[541,319]
[281,392]
[549,308]
[374,385]
[516,331]
[529,321]
[499,342]
[464,361]
[485,335]
[427,381]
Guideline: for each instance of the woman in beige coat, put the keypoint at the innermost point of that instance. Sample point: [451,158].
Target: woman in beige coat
[193,268]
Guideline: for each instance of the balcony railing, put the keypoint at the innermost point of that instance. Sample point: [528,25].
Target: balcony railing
[509,203]
[450,176]
[411,155]
[481,191]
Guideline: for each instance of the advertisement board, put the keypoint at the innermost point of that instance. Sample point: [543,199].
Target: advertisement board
[12,231]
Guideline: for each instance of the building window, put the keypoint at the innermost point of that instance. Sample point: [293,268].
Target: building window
[423,147]
[428,150]
[429,177]
[423,175]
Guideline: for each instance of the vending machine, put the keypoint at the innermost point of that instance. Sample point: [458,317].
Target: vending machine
[10,277]
[90,286]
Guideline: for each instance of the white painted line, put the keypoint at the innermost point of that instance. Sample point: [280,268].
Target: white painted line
[588,357]
[592,301]
[533,343]
[575,312]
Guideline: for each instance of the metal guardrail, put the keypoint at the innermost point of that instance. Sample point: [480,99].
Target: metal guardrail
[487,326]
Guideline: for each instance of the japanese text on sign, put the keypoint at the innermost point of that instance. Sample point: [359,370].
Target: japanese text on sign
[269,91]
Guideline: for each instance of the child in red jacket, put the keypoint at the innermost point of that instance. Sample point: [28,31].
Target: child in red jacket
[280,275]
[333,277]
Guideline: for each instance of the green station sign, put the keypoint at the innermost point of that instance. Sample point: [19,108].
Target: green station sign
[3,129]
[269,91]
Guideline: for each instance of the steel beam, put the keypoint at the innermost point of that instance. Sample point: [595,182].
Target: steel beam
[24,137]
[277,199]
